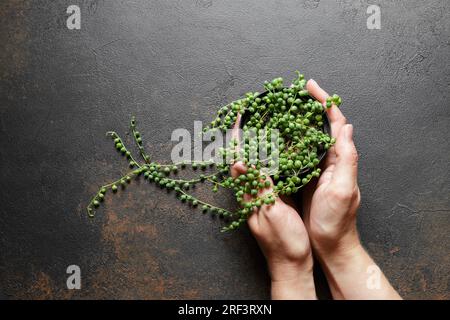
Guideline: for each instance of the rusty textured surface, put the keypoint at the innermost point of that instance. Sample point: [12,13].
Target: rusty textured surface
[173,62]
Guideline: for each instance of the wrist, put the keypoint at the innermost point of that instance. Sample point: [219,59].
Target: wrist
[342,267]
[352,274]
[342,258]
[347,246]
[293,282]
[292,279]
[286,270]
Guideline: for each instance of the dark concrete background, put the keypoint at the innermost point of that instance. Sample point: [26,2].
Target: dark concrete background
[173,62]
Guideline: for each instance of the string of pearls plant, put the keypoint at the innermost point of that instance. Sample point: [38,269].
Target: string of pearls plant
[302,140]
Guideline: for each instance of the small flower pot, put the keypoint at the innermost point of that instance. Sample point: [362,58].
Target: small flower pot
[326,128]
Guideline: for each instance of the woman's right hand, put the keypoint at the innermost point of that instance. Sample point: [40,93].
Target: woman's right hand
[331,204]
[330,208]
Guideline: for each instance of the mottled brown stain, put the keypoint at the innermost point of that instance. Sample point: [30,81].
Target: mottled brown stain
[140,251]
[413,270]
[139,254]
[13,38]
[42,287]
[191,294]
[394,250]
[134,271]
[171,251]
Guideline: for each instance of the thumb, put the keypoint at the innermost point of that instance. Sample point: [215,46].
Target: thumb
[346,169]
[236,131]
[237,169]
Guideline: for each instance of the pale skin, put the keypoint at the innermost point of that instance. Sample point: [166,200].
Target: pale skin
[327,228]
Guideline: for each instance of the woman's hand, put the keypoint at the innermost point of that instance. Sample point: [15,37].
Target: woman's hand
[330,208]
[331,204]
[282,236]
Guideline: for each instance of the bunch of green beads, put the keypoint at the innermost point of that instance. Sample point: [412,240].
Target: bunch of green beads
[334,99]
[298,118]
[290,111]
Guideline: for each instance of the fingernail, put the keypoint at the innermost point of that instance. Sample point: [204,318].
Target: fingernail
[349,132]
